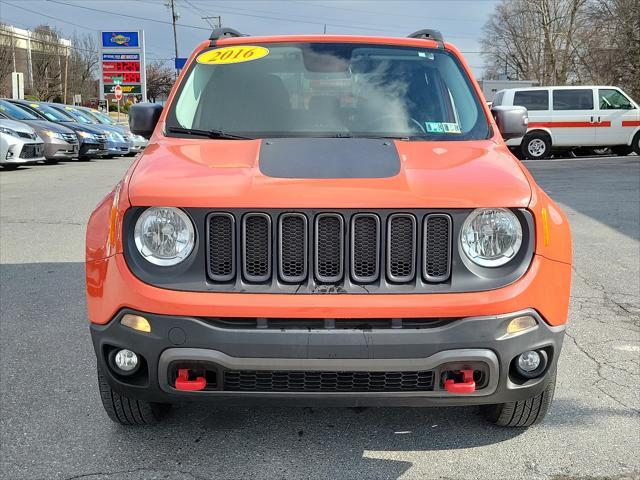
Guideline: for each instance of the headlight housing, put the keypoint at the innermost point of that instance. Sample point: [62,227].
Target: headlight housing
[52,134]
[491,237]
[86,135]
[164,235]
[8,131]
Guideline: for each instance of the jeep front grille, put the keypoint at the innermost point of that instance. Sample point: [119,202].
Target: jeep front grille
[334,249]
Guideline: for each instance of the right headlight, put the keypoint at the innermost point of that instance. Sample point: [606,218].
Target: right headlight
[86,135]
[164,235]
[8,131]
[491,237]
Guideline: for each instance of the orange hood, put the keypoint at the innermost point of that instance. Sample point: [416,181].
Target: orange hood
[226,174]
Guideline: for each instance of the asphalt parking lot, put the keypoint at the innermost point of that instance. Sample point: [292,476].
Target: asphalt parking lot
[53,426]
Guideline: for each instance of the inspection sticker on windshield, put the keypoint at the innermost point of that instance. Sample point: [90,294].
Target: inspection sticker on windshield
[434,127]
[451,128]
[236,54]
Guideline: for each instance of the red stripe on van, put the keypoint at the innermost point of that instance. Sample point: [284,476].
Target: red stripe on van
[568,124]
[631,123]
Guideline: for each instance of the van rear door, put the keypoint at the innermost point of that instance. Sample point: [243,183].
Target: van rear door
[573,117]
[617,119]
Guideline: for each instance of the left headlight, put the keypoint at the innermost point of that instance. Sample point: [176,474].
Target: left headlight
[491,237]
[164,235]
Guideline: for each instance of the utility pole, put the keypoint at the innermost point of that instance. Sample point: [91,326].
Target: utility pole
[218,19]
[174,18]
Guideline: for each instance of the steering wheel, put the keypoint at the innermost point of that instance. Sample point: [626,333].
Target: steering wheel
[379,120]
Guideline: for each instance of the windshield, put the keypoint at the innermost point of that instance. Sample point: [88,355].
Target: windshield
[329,89]
[16,113]
[77,115]
[101,117]
[49,113]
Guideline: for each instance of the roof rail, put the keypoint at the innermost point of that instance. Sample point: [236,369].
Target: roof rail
[223,32]
[429,34]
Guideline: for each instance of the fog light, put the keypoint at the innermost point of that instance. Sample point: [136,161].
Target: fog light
[531,364]
[136,322]
[529,361]
[520,324]
[126,360]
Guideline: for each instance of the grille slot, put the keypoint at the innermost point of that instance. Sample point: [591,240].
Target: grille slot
[221,251]
[365,247]
[329,247]
[293,247]
[436,261]
[401,248]
[311,381]
[256,247]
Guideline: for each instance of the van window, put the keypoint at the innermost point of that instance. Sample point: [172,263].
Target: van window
[610,99]
[497,100]
[532,99]
[578,99]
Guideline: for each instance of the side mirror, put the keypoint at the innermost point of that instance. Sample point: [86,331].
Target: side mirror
[512,121]
[143,118]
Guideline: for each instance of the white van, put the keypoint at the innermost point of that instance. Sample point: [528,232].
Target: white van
[563,118]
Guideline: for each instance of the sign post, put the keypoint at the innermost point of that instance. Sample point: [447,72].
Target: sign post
[122,62]
[117,92]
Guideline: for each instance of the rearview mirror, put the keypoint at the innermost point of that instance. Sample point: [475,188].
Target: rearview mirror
[512,121]
[143,118]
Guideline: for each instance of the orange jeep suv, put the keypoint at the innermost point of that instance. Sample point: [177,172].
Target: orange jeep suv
[330,220]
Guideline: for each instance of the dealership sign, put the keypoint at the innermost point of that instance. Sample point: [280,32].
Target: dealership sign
[122,63]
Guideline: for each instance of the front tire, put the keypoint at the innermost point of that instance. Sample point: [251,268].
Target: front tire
[523,413]
[636,143]
[536,146]
[622,150]
[129,411]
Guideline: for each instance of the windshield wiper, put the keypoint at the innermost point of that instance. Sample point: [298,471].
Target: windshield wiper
[221,134]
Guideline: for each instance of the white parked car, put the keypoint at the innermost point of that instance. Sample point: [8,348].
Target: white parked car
[564,118]
[19,144]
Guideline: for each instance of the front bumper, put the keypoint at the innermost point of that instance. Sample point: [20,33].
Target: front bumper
[474,342]
[92,149]
[60,150]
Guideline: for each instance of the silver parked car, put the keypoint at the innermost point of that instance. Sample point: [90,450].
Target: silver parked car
[60,142]
[19,144]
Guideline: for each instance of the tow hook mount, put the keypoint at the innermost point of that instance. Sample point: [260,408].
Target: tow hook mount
[183,383]
[467,385]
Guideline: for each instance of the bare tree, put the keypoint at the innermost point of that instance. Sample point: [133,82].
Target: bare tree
[83,66]
[47,60]
[534,39]
[160,79]
[565,42]
[6,60]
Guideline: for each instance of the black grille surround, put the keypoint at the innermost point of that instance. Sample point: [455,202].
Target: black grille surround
[292,267]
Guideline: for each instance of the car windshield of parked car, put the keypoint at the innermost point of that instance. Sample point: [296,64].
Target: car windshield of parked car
[101,117]
[16,113]
[77,115]
[328,90]
[49,113]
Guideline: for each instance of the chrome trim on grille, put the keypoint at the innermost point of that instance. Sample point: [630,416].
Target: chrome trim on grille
[245,270]
[318,264]
[232,273]
[376,273]
[284,276]
[391,246]
[428,256]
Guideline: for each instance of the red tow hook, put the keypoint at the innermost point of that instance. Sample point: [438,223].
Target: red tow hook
[183,382]
[466,386]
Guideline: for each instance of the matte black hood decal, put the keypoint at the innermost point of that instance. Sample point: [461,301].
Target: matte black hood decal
[329,158]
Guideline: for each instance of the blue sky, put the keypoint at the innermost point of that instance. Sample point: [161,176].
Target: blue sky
[460,21]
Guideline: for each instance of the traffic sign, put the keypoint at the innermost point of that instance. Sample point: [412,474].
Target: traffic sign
[118,92]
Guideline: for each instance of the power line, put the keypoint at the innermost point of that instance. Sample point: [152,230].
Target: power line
[49,16]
